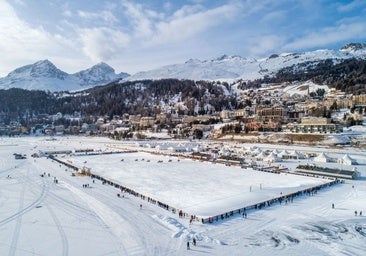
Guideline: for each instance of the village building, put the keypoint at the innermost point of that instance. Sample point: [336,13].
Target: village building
[359,100]
[275,114]
[313,125]
[146,121]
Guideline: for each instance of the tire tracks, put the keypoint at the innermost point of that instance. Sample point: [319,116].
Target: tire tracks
[42,196]
[65,244]
[18,224]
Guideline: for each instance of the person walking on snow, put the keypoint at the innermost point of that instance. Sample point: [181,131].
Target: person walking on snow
[187,245]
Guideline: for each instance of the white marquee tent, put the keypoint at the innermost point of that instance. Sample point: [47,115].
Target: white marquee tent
[322,158]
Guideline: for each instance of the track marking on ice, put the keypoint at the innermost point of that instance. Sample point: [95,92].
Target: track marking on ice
[28,208]
[181,231]
[16,233]
[65,244]
[119,226]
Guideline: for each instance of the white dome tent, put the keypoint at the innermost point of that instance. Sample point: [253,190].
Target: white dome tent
[250,150]
[347,160]
[284,154]
[296,155]
[322,158]
[272,158]
[275,151]
[257,151]
[261,156]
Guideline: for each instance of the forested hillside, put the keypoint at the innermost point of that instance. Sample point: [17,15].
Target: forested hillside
[149,97]
[139,97]
[348,76]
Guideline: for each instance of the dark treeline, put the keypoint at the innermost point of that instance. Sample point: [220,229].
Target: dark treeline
[146,97]
[149,97]
[348,76]
[21,104]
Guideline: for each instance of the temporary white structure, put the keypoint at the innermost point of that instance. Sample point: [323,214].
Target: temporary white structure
[322,158]
[275,151]
[224,151]
[296,155]
[272,158]
[261,156]
[284,154]
[347,160]
[250,150]
[197,148]
[257,151]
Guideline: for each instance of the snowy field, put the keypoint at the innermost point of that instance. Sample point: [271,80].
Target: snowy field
[198,188]
[41,217]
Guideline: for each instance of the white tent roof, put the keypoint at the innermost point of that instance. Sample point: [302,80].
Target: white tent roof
[346,159]
[323,158]
[284,153]
[272,158]
[276,151]
[261,155]
[257,151]
[297,154]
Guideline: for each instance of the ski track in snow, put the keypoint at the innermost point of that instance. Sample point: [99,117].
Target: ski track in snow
[65,245]
[307,226]
[114,221]
[18,223]
[28,208]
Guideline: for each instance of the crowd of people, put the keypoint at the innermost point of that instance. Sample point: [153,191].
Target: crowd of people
[282,198]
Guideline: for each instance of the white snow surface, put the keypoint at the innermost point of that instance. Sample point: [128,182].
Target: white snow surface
[41,217]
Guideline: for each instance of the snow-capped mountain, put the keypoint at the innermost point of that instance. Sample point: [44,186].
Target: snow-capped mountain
[99,74]
[44,75]
[236,67]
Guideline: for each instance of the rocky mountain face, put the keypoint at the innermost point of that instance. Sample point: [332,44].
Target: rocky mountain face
[44,75]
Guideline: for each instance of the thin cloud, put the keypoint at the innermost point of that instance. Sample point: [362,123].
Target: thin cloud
[106,16]
[274,16]
[329,35]
[351,6]
[22,43]
[136,35]
[102,43]
[188,23]
[264,44]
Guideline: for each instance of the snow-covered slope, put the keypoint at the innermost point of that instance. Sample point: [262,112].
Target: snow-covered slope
[236,67]
[44,75]
[99,74]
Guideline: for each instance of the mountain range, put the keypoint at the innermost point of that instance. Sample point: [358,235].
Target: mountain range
[231,68]
[44,75]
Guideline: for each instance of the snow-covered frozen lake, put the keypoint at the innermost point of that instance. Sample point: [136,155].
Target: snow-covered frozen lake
[41,217]
[198,188]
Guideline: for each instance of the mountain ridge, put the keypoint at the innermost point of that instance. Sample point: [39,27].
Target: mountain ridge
[231,68]
[44,75]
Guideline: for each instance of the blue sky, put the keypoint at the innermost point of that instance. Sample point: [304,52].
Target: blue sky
[136,35]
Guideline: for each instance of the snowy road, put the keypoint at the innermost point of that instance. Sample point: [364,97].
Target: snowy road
[41,217]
